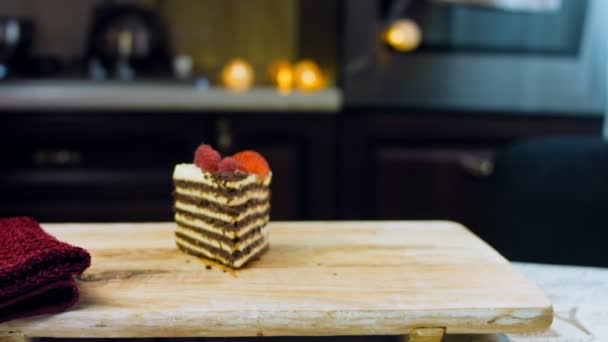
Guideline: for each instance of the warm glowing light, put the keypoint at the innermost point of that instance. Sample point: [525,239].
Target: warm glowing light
[276,66]
[403,35]
[237,75]
[308,76]
[285,80]
[281,74]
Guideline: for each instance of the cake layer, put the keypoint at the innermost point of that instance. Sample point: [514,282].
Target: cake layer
[221,236]
[233,260]
[231,220]
[220,227]
[229,246]
[233,210]
[218,251]
[228,180]
[226,197]
[203,253]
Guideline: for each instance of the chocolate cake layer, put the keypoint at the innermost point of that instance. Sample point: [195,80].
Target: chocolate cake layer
[220,191]
[218,237]
[228,247]
[223,224]
[248,260]
[224,209]
[218,251]
[213,229]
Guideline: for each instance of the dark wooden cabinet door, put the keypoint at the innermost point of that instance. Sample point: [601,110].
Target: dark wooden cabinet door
[428,166]
[118,166]
[299,149]
[420,182]
[94,166]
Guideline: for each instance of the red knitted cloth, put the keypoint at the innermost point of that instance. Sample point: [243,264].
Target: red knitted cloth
[36,270]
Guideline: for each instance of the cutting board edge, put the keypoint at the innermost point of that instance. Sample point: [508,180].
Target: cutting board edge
[305,323]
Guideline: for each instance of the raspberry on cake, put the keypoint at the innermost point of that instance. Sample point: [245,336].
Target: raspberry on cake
[222,214]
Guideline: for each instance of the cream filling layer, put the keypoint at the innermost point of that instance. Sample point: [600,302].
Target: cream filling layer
[236,263]
[212,229]
[191,173]
[230,248]
[251,194]
[191,208]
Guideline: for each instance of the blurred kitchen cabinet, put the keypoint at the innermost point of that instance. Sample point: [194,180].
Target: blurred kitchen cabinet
[407,180]
[94,166]
[427,182]
[118,166]
[400,166]
[299,149]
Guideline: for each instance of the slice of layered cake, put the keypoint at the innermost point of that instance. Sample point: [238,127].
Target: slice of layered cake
[222,206]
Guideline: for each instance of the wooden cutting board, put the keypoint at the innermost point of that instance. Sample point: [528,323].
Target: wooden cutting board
[319,278]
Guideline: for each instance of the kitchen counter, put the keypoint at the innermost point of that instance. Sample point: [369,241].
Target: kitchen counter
[83,95]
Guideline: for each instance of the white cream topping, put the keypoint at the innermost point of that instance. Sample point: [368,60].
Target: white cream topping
[191,208]
[230,248]
[191,173]
[237,263]
[251,194]
[230,234]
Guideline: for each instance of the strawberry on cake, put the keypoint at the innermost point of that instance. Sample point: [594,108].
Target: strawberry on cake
[222,206]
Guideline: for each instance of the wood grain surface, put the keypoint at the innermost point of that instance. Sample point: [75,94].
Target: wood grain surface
[319,278]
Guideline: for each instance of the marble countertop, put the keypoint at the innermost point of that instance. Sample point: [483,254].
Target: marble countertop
[580,303]
[83,95]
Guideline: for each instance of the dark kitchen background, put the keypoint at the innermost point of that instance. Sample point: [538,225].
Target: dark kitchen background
[485,112]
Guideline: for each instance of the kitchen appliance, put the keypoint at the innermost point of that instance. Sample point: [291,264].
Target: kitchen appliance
[127,39]
[15,42]
[513,5]
[479,55]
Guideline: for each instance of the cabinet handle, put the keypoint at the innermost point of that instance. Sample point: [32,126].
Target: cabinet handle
[224,135]
[477,166]
[60,157]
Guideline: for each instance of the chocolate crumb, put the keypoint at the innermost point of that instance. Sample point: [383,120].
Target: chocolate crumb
[187,261]
[335,274]
[208,267]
